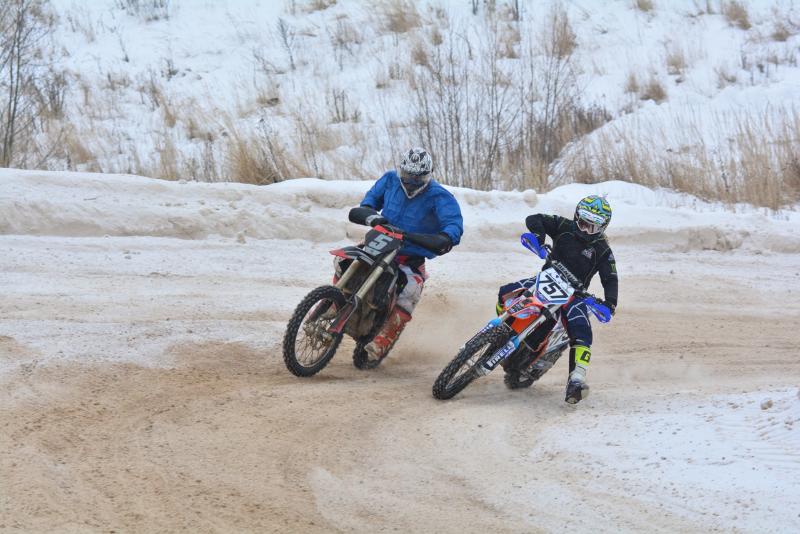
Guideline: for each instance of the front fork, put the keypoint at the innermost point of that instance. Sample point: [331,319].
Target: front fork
[513,344]
[355,301]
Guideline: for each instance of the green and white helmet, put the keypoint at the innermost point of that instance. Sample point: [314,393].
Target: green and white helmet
[592,214]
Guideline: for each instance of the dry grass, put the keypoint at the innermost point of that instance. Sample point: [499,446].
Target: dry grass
[758,161]
[168,114]
[676,61]
[510,40]
[419,54]
[400,16]
[249,161]
[197,123]
[148,10]
[381,80]
[436,36]
[168,159]
[643,5]
[396,71]
[246,164]
[736,14]
[724,78]
[77,154]
[80,21]
[267,92]
[782,31]
[346,34]
[631,83]
[51,93]
[341,108]
[653,90]
[117,81]
[267,99]
[318,5]
[561,39]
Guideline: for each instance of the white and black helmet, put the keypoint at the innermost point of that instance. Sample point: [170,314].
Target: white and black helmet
[416,162]
[416,165]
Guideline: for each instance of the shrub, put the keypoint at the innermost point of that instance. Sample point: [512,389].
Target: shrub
[676,61]
[736,14]
[781,31]
[653,91]
[400,16]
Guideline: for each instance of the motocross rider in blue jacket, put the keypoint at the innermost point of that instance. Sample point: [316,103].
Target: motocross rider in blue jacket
[415,203]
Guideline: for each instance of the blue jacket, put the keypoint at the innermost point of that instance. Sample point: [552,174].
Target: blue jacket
[430,212]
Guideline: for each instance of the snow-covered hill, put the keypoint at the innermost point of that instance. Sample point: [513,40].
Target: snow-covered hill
[217,91]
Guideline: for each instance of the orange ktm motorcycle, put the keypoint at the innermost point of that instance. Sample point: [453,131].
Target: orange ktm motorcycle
[528,335]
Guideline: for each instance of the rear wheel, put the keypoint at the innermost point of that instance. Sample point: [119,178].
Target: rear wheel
[308,346]
[361,359]
[514,364]
[514,380]
[460,372]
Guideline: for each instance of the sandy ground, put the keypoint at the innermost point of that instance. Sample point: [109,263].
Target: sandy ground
[142,389]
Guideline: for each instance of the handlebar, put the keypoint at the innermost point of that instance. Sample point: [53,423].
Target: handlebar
[436,243]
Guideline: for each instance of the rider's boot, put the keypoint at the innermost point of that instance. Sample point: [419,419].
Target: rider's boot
[394,325]
[577,388]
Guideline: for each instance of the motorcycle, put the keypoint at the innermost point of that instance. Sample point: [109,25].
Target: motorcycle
[527,338]
[357,305]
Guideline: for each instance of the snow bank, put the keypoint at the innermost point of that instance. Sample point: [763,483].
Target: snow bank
[85,205]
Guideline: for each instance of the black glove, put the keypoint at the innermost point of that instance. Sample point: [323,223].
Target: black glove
[367,216]
[612,307]
[375,220]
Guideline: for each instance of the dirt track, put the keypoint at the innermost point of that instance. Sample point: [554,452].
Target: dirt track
[215,434]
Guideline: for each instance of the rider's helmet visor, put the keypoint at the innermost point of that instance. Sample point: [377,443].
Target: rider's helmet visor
[414,182]
[589,222]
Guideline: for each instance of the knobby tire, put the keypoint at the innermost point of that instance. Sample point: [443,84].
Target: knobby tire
[450,383]
[309,303]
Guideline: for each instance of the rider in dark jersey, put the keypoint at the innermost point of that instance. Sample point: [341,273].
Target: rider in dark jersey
[579,244]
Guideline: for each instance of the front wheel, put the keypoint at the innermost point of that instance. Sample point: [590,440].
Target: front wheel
[460,372]
[308,345]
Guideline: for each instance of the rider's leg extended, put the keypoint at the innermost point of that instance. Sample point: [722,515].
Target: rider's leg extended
[400,315]
[580,352]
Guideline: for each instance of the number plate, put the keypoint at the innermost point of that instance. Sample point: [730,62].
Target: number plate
[551,288]
[377,245]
